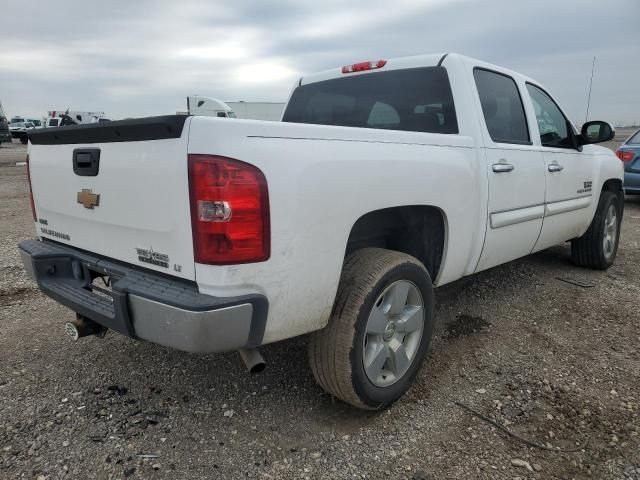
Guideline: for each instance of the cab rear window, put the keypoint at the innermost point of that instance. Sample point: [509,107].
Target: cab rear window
[414,99]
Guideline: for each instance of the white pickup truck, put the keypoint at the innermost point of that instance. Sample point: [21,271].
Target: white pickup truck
[384,180]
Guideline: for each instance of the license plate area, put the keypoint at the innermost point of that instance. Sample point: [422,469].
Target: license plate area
[101,285]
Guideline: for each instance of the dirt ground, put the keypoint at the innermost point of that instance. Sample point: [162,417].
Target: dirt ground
[557,363]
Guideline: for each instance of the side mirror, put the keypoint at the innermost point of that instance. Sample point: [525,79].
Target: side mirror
[596,131]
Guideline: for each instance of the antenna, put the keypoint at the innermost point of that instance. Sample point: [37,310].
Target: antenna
[593,66]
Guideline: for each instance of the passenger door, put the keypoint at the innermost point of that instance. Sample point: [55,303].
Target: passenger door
[515,171]
[568,171]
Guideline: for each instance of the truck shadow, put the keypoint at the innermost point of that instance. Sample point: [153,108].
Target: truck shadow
[285,396]
[632,200]
[281,409]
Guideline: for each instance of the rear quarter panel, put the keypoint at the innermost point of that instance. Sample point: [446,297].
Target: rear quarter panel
[321,179]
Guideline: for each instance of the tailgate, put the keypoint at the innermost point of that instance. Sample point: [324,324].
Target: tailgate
[118,189]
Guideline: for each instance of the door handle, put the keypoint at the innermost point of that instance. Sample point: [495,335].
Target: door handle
[555,167]
[502,167]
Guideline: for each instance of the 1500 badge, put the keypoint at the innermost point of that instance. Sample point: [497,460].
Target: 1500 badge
[586,187]
[153,258]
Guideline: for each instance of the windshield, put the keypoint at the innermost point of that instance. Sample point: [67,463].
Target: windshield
[414,99]
[635,140]
[231,114]
[19,124]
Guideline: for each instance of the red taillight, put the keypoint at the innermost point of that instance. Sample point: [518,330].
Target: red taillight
[625,155]
[229,211]
[362,66]
[33,206]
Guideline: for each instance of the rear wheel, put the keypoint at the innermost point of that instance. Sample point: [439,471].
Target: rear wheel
[379,332]
[24,139]
[597,248]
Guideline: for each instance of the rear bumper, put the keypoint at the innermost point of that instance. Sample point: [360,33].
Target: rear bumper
[143,304]
[632,182]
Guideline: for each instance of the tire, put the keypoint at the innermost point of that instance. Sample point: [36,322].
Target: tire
[24,139]
[597,248]
[373,278]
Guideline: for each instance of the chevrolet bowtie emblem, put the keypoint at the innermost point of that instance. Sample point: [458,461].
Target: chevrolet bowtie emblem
[88,199]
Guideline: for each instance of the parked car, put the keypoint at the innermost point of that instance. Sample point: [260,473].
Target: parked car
[629,153]
[5,134]
[19,130]
[384,180]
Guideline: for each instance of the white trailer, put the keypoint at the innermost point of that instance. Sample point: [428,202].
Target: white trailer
[54,117]
[212,107]
[258,110]
[208,107]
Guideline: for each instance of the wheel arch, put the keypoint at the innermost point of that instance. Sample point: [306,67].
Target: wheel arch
[417,230]
[614,185]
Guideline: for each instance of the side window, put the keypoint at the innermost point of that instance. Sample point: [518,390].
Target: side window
[555,129]
[502,107]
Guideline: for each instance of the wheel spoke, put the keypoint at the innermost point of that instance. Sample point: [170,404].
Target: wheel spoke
[398,298]
[377,361]
[377,321]
[410,319]
[393,333]
[399,360]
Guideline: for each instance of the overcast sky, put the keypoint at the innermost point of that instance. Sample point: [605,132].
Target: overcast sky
[137,58]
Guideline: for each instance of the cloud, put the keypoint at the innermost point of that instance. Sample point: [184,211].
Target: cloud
[144,57]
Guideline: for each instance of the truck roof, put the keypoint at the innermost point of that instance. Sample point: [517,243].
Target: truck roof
[415,61]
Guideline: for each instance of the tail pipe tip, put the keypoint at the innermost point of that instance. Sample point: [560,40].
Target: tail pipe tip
[83,327]
[252,359]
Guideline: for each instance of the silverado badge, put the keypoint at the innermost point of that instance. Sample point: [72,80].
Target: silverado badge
[88,199]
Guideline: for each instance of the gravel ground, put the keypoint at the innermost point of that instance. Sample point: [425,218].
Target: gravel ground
[555,362]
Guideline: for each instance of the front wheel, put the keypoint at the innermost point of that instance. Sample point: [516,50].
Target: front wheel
[597,248]
[379,331]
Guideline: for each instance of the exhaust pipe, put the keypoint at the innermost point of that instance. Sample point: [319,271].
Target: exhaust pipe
[252,359]
[83,327]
